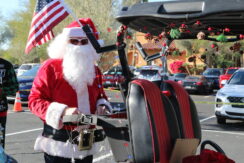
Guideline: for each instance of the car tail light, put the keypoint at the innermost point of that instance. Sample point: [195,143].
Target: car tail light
[198,83]
[180,82]
[167,93]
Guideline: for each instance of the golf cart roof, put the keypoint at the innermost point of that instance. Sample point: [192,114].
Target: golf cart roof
[153,17]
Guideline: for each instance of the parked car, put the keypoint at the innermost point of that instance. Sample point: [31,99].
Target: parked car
[232,92]
[229,71]
[150,72]
[25,67]
[113,77]
[179,76]
[197,84]
[212,75]
[25,81]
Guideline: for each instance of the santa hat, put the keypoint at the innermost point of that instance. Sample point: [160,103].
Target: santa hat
[75,30]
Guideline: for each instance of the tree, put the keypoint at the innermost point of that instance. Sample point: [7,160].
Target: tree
[5,36]
[20,27]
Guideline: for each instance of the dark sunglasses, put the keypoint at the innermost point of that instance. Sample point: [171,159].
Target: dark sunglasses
[83,41]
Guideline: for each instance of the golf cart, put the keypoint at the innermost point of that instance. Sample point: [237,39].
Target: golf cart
[161,113]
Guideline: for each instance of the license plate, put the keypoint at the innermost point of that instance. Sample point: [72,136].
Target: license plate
[107,82]
[188,87]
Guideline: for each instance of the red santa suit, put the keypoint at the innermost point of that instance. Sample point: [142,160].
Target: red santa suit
[50,95]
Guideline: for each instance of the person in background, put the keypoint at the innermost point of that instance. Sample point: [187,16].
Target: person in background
[8,86]
[68,83]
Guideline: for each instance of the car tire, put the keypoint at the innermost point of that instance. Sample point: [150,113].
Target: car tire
[221,120]
[210,90]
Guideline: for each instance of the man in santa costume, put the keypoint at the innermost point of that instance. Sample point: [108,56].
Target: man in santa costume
[68,83]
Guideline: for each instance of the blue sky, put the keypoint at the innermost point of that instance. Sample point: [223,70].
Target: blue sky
[7,7]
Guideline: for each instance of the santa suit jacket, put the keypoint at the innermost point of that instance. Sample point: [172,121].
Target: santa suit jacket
[50,95]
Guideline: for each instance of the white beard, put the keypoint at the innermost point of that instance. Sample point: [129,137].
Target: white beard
[78,66]
[79,72]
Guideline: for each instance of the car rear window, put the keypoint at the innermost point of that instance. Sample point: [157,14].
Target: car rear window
[31,72]
[231,71]
[25,67]
[214,72]
[180,75]
[148,72]
[193,78]
[237,79]
[115,72]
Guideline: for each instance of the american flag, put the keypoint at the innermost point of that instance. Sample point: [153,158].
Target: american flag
[48,13]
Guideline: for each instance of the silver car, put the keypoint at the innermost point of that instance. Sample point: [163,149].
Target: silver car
[230,99]
[151,73]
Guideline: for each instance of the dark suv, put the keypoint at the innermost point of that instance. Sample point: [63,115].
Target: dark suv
[212,75]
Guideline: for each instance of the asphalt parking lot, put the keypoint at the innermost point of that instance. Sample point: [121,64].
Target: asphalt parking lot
[23,128]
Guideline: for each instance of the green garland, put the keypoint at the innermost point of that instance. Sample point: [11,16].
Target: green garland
[175,33]
[222,38]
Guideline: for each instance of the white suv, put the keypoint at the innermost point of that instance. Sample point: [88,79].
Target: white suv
[232,92]
[25,67]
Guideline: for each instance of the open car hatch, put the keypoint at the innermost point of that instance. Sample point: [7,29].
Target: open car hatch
[153,17]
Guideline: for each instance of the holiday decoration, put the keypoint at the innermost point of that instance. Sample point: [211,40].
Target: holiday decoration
[210,28]
[236,47]
[241,36]
[175,33]
[227,29]
[221,38]
[214,45]
[183,28]
[201,36]
[198,22]
[148,36]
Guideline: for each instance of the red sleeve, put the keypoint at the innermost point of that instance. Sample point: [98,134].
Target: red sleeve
[40,95]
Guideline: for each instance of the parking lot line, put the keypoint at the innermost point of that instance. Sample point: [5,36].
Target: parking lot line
[98,159]
[205,119]
[225,132]
[21,132]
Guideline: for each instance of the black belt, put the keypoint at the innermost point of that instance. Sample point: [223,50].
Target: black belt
[72,136]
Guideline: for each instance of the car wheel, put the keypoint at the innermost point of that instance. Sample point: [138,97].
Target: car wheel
[210,90]
[221,120]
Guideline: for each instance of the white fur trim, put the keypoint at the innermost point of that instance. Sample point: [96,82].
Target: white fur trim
[83,101]
[74,32]
[64,149]
[54,113]
[105,102]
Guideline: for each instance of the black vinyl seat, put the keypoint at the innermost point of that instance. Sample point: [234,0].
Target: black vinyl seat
[144,134]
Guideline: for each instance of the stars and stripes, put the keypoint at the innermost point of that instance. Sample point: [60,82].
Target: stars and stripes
[48,13]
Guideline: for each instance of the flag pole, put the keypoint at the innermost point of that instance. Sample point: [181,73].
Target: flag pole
[71,13]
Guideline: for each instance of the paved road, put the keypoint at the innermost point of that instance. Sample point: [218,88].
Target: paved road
[23,128]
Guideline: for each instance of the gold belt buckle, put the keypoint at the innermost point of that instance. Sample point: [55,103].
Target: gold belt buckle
[86,139]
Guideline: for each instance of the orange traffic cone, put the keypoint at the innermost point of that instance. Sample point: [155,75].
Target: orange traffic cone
[17,103]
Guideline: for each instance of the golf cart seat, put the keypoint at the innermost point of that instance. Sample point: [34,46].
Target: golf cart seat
[152,123]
